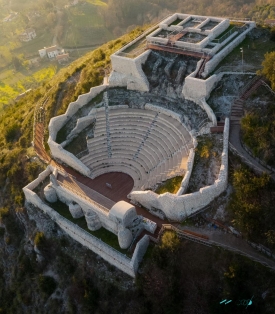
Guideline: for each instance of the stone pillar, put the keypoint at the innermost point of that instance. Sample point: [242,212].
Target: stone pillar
[50,193]
[93,221]
[125,237]
[75,210]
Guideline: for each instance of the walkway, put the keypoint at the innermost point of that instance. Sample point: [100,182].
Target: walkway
[235,127]
[217,237]
[179,51]
[84,191]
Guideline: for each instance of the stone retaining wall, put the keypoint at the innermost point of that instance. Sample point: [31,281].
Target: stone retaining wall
[128,72]
[167,112]
[195,88]
[139,252]
[179,207]
[211,64]
[127,265]
[81,124]
[56,123]
[67,196]
[189,168]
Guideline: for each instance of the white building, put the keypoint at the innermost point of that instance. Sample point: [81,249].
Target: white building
[27,35]
[63,58]
[10,17]
[50,52]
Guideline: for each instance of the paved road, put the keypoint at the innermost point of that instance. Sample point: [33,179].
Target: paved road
[59,15]
[234,139]
[232,243]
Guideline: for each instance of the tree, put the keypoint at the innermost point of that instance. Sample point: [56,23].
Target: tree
[269,68]
[16,62]
[47,284]
[12,133]
[272,34]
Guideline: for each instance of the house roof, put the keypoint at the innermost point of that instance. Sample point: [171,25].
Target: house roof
[63,56]
[50,49]
[270,21]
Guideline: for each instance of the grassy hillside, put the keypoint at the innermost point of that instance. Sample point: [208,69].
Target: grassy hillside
[13,83]
[75,26]
[177,277]
[86,26]
[17,120]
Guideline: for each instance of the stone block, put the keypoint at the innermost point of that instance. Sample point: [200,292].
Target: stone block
[75,210]
[50,193]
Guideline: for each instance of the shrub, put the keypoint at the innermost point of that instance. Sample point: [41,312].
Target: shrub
[47,284]
[170,241]
[40,240]
[4,212]
[23,142]
[12,133]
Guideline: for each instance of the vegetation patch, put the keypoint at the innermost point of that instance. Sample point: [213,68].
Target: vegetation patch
[171,185]
[207,162]
[79,144]
[47,284]
[86,26]
[252,205]
[258,129]
[254,47]
[102,234]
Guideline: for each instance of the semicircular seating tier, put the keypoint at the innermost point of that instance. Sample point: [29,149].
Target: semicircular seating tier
[149,146]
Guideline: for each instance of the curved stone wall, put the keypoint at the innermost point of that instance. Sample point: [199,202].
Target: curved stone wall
[178,207]
[56,123]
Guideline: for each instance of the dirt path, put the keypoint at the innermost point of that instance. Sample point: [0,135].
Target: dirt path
[235,127]
[235,140]
[59,16]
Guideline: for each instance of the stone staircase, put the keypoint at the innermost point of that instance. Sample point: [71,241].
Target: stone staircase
[201,68]
[146,136]
[237,107]
[106,105]
[237,111]
[256,82]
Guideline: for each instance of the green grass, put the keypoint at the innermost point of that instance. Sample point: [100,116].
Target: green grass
[31,48]
[86,26]
[254,51]
[141,43]
[171,185]
[79,144]
[102,234]
[226,31]
[139,46]
[13,83]
[97,2]
[188,222]
[176,22]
